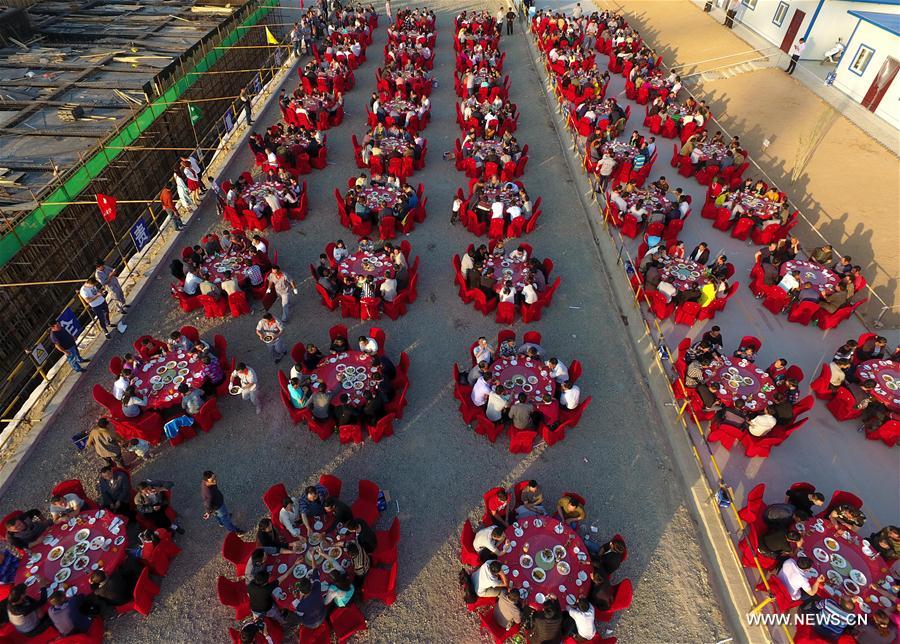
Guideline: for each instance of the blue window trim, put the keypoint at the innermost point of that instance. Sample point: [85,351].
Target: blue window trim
[856,55]
[747,4]
[777,9]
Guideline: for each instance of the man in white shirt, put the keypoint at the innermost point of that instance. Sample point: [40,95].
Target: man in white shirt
[467,263]
[489,540]
[191,283]
[496,403]
[570,395]
[90,294]
[247,381]
[514,212]
[582,613]
[122,383]
[497,210]
[388,288]
[269,330]
[289,517]
[529,293]
[762,424]
[795,576]
[489,580]
[558,370]
[368,345]
[507,294]
[796,51]
[282,284]
[480,392]
[790,282]
[838,370]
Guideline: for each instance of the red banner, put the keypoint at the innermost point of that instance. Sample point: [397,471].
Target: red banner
[107,207]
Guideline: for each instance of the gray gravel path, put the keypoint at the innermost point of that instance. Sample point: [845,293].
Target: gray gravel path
[434,466]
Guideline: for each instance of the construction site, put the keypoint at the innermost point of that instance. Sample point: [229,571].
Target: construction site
[104,98]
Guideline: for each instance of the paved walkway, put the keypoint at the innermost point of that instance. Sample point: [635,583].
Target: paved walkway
[433,467]
[842,180]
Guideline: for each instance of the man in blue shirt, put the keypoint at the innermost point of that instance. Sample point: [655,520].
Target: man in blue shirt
[312,504]
[310,607]
[66,344]
[66,614]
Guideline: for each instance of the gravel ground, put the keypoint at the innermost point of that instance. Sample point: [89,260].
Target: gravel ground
[434,467]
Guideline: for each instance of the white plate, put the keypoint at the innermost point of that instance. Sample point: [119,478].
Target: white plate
[119,541]
[821,555]
[56,553]
[62,574]
[539,598]
[318,525]
[282,568]
[526,561]
[831,544]
[538,523]
[858,578]
[515,573]
[81,563]
[570,599]
[851,587]
[539,575]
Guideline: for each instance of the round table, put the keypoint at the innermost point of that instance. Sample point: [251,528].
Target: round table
[483,147]
[654,200]
[521,374]
[399,105]
[886,374]
[507,196]
[159,377]
[738,378]
[302,139]
[757,206]
[619,150]
[822,278]
[714,152]
[683,273]
[378,197]
[556,562]
[391,144]
[359,380]
[307,559]
[489,77]
[848,562]
[70,551]
[365,263]
[234,261]
[505,269]
[262,189]
[315,104]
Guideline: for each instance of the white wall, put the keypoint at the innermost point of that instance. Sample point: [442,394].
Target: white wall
[760,19]
[834,22]
[884,44]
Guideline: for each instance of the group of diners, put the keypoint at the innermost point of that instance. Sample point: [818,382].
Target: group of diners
[250,264]
[337,270]
[371,198]
[508,274]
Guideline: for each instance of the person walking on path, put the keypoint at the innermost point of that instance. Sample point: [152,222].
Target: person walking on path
[499,20]
[214,503]
[168,206]
[796,50]
[510,17]
[92,298]
[106,443]
[387,11]
[67,345]
[270,331]
[106,276]
[282,284]
[245,379]
[246,105]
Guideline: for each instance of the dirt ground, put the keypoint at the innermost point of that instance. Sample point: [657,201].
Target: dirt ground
[435,468]
[846,184]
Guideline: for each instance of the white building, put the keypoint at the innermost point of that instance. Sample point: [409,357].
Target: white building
[869,66]
[820,22]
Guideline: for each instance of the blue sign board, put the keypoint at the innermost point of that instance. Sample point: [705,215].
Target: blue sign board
[70,323]
[140,235]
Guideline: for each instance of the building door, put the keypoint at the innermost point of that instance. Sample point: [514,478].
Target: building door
[793,28]
[881,84]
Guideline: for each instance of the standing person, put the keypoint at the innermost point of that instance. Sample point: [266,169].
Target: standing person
[498,19]
[214,503]
[510,17]
[295,39]
[246,105]
[282,284]
[106,276]
[168,206]
[245,378]
[106,443]
[96,303]
[796,50]
[67,345]
[387,11]
[269,330]
[181,187]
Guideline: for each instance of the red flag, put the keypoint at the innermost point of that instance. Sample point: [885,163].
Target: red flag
[107,206]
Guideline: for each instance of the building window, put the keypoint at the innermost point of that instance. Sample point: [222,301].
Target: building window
[780,13]
[861,60]
[750,4]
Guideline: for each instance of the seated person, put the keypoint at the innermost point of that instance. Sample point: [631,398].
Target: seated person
[64,506]
[152,501]
[490,542]
[117,587]
[311,504]
[793,575]
[300,394]
[569,395]
[508,609]
[489,579]
[546,624]
[68,614]
[602,593]
[836,617]
[26,529]
[570,511]
[887,542]
[268,539]
[779,542]
[879,630]
[24,612]
[762,423]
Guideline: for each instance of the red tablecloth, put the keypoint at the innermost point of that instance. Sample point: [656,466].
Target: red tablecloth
[314,104]
[360,380]
[851,566]
[886,373]
[683,273]
[377,197]
[391,144]
[262,188]
[507,269]
[566,567]
[757,206]
[378,265]
[307,559]
[232,261]
[482,148]
[714,152]
[522,374]
[738,378]
[822,278]
[654,200]
[399,105]
[104,538]
[159,377]
[507,196]
[619,150]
